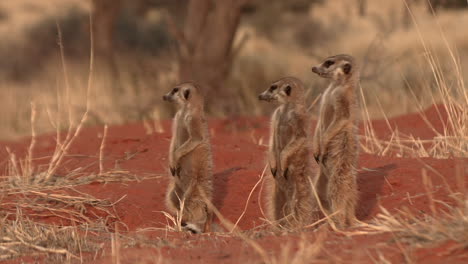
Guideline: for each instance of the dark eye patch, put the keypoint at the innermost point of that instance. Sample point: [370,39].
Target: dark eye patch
[328,63]
[186,94]
[273,87]
[175,90]
[347,68]
[287,90]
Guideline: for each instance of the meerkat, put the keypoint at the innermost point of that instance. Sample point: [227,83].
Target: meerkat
[190,160]
[336,146]
[289,155]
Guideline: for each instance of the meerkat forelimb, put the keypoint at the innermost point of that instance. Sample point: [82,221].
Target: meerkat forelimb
[291,200]
[336,147]
[190,160]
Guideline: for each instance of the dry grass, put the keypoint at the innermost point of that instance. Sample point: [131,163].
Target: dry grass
[24,237]
[449,141]
[40,192]
[307,251]
[443,223]
[174,223]
[47,192]
[393,62]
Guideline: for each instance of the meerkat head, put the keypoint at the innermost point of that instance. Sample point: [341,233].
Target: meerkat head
[288,89]
[185,94]
[338,67]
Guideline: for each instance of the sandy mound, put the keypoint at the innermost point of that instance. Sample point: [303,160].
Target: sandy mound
[393,183]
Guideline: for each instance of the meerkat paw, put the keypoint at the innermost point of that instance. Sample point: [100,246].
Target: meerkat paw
[273,168]
[317,158]
[285,173]
[284,165]
[273,171]
[175,171]
[316,152]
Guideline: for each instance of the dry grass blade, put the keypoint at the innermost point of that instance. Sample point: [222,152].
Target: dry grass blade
[450,222]
[23,171]
[22,237]
[175,223]
[248,198]
[80,209]
[450,140]
[101,151]
[306,252]
[115,246]
[70,138]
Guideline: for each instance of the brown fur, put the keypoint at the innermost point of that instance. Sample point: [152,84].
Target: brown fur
[190,160]
[336,146]
[289,156]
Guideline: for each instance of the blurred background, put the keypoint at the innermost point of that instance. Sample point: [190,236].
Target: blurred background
[234,48]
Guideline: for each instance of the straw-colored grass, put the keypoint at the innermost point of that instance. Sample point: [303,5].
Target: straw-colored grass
[41,192]
[46,191]
[21,236]
[444,222]
[390,53]
[449,141]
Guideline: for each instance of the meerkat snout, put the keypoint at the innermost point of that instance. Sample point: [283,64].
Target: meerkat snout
[170,95]
[264,96]
[278,91]
[182,94]
[268,95]
[338,67]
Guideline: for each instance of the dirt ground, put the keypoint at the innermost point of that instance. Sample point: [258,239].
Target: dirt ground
[239,155]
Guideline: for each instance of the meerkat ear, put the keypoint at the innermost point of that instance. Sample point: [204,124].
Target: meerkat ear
[287,90]
[186,94]
[347,68]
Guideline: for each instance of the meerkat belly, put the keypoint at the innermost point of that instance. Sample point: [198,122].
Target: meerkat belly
[299,158]
[195,163]
[185,161]
[341,145]
[181,136]
[327,116]
[284,134]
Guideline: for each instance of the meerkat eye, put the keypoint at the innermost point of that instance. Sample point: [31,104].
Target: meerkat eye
[347,68]
[186,94]
[273,87]
[175,90]
[287,90]
[328,63]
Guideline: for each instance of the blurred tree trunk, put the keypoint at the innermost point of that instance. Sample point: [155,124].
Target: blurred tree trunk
[105,14]
[433,5]
[205,50]
[407,9]
[362,7]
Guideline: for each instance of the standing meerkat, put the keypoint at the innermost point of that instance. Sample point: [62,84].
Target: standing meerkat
[336,146]
[190,160]
[289,157]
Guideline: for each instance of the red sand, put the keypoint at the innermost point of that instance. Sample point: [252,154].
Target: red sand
[394,183]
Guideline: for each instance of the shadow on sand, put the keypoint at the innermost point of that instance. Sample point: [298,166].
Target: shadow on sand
[220,183]
[370,186]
